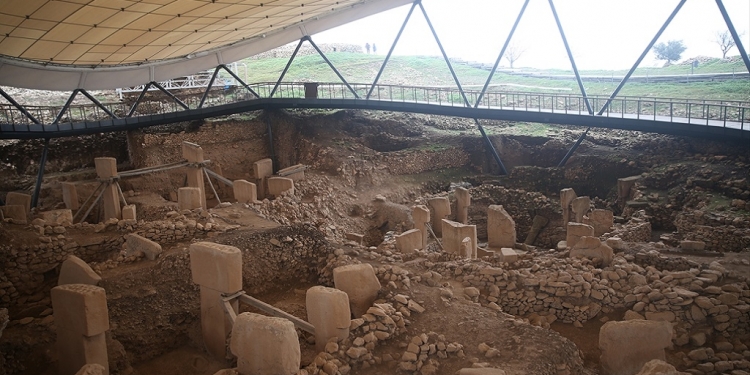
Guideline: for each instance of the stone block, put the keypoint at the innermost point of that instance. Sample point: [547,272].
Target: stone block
[189,198]
[279,185]
[149,248]
[440,208]
[70,195]
[580,207]
[76,351]
[576,231]
[295,172]
[628,345]
[16,212]
[616,243]
[356,237]
[80,309]
[592,248]
[105,167]
[92,369]
[20,199]
[360,283]
[216,266]
[263,168]
[601,220]
[408,241]
[454,234]
[265,345]
[508,255]
[129,212]
[245,192]
[501,229]
[55,218]
[75,271]
[463,201]
[192,152]
[692,245]
[328,311]
[566,197]
[215,322]
[625,186]
[421,216]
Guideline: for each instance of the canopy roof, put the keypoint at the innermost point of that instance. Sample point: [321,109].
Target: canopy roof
[103,44]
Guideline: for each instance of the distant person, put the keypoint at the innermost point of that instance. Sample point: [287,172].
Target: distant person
[367,47]
[374,48]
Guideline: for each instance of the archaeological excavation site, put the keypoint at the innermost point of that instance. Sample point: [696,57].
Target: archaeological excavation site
[365,242]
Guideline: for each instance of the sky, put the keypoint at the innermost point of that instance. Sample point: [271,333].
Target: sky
[602,34]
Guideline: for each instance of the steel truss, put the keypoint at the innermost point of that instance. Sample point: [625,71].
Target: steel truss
[417,3]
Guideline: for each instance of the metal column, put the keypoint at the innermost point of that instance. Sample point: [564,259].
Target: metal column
[733,31]
[572,60]
[286,68]
[270,142]
[40,175]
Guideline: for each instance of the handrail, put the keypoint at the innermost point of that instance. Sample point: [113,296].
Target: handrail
[728,112]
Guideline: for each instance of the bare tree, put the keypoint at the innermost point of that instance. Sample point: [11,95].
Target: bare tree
[513,53]
[725,41]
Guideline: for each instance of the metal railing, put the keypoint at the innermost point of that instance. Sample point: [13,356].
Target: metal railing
[727,113]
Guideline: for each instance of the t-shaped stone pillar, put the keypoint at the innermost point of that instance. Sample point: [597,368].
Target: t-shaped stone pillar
[81,318]
[581,207]
[194,154]
[566,197]
[421,216]
[501,229]
[440,208]
[106,169]
[265,345]
[217,269]
[245,192]
[70,195]
[463,200]
[360,283]
[328,311]
[262,169]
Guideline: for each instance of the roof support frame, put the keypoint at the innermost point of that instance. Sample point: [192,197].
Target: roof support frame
[138,101]
[237,78]
[286,68]
[323,55]
[97,102]
[733,31]
[19,107]
[208,88]
[169,94]
[570,56]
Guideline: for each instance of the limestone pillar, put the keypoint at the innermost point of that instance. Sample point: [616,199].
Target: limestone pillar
[581,207]
[194,154]
[81,318]
[245,192]
[624,187]
[576,231]
[463,200]
[265,345]
[408,241]
[217,269]
[279,185]
[440,208]
[626,346]
[455,233]
[360,283]
[262,169]
[70,195]
[566,197]
[128,212]
[106,169]
[501,229]
[328,311]
[189,198]
[19,199]
[601,220]
[75,271]
[421,216]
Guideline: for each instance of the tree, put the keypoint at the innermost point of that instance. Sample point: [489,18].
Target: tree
[725,42]
[671,51]
[513,53]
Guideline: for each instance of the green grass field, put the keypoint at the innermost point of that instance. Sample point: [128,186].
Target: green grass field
[433,71]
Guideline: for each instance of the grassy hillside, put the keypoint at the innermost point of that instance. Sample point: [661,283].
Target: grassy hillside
[432,71]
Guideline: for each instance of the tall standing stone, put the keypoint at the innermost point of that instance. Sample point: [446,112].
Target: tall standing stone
[576,231]
[463,201]
[566,197]
[70,195]
[421,216]
[581,207]
[106,169]
[627,345]
[193,153]
[501,229]
[440,208]
[328,311]
[262,170]
[625,186]
[265,345]
[360,283]
[81,318]
[601,220]
[19,199]
[217,269]
[245,192]
[454,234]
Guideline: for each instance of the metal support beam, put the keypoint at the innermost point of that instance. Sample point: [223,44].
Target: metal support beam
[211,184]
[268,309]
[502,52]
[270,141]
[733,31]
[210,84]
[40,175]
[487,140]
[169,94]
[573,149]
[19,107]
[570,56]
[98,103]
[286,68]
[393,46]
[643,55]
[65,107]
[323,55]
[138,101]
[240,81]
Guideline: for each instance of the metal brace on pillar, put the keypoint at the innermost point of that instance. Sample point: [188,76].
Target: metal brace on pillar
[40,175]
